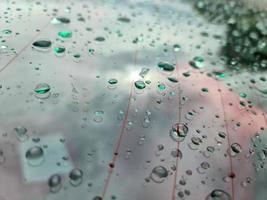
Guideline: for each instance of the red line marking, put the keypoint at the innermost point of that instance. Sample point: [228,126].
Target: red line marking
[118,144]
[176,173]
[116,151]
[178,143]
[228,139]
[25,47]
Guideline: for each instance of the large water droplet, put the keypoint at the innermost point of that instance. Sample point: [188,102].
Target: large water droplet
[42,88]
[42,45]
[158,174]
[235,149]
[54,183]
[42,91]
[76,177]
[178,132]
[140,84]
[35,156]
[164,66]
[218,194]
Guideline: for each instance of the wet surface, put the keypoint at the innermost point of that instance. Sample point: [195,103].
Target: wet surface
[125,100]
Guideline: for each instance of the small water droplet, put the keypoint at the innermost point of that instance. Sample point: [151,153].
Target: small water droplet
[65,34]
[21,133]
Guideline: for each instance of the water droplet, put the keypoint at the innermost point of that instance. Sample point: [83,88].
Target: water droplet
[176,47]
[243,95]
[6,31]
[173,79]
[91,51]
[42,88]
[263,91]
[98,116]
[113,81]
[196,140]
[65,34]
[100,39]
[21,133]
[42,45]
[59,50]
[35,156]
[76,177]
[60,20]
[222,134]
[158,174]
[205,90]
[54,183]
[178,132]
[140,84]
[218,194]
[177,153]
[161,87]
[236,149]
[124,19]
[164,66]
[198,62]
[144,72]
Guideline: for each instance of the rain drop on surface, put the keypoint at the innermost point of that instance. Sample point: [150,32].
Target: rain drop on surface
[158,174]
[98,116]
[235,149]
[164,66]
[60,20]
[124,19]
[35,156]
[178,132]
[65,34]
[176,47]
[54,183]
[21,133]
[140,84]
[76,177]
[42,88]
[59,50]
[42,45]
[113,81]
[218,194]
[100,39]
[42,91]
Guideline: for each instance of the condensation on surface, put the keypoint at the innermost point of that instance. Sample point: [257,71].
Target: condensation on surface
[125,100]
